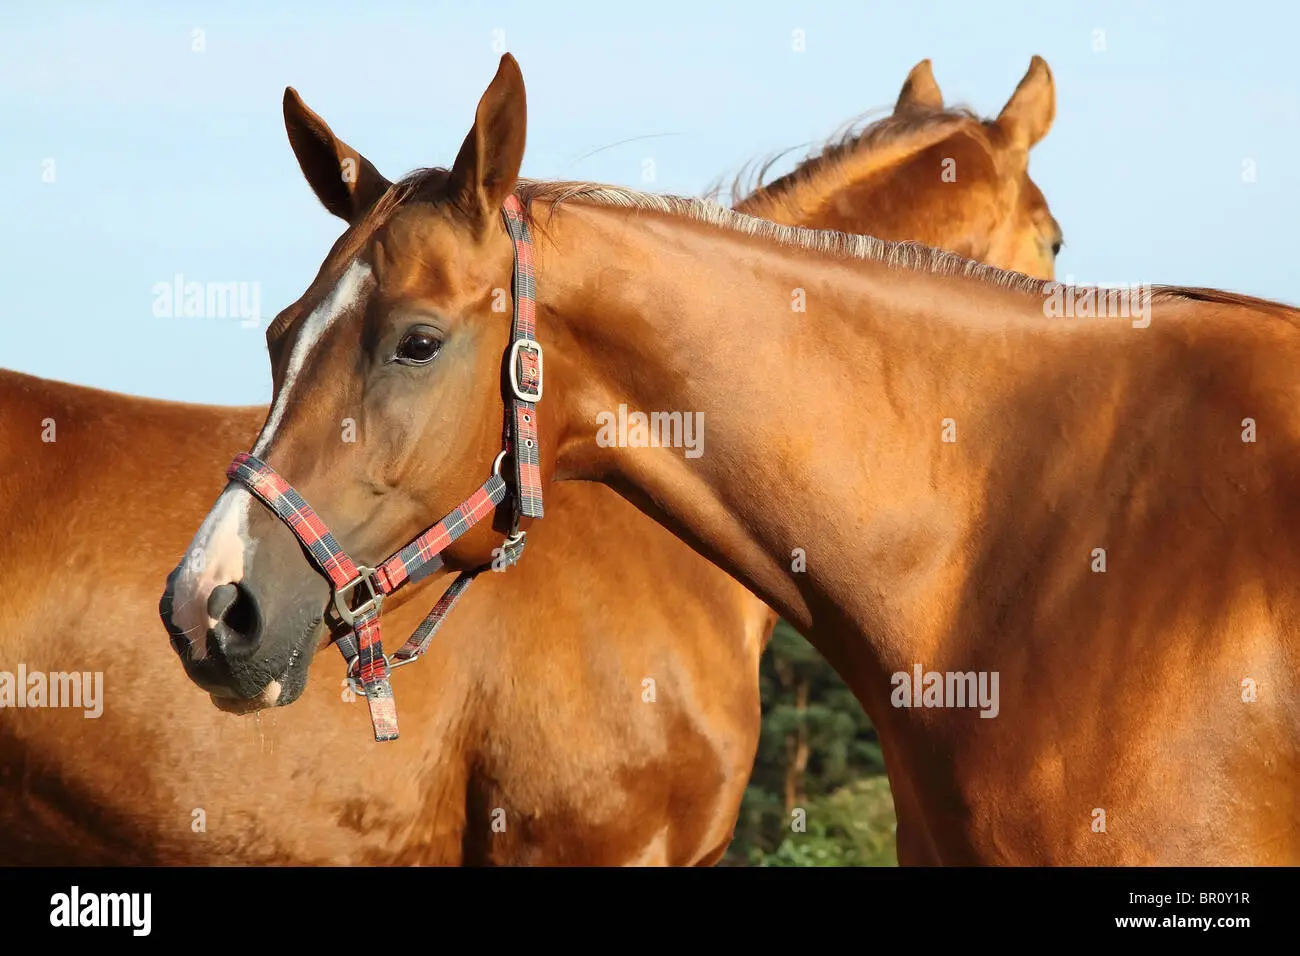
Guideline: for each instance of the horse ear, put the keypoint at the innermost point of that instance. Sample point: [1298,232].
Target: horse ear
[1029,113]
[920,91]
[344,181]
[487,167]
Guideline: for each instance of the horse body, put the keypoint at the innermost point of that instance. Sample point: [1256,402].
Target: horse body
[1124,685]
[1086,514]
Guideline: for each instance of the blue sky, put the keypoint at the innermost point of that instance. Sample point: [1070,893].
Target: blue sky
[167,160]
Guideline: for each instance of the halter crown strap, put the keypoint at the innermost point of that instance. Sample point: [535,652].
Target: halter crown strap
[525,363]
[359,591]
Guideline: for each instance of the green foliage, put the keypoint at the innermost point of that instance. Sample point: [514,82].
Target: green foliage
[848,811]
[853,826]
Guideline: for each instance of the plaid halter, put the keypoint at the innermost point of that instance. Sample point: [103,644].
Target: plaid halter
[359,636]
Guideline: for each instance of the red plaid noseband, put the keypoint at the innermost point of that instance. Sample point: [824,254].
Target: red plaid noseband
[359,591]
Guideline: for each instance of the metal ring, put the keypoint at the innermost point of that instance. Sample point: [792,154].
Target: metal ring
[355,682]
[496,465]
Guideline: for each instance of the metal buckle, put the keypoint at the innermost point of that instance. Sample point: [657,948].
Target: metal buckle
[393,664]
[511,549]
[365,575]
[533,346]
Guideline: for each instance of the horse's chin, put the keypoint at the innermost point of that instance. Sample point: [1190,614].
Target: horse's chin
[269,697]
[278,693]
[213,675]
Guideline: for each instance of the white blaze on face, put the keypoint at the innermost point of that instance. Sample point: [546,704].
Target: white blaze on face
[221,548]
[318,323]
[216,557]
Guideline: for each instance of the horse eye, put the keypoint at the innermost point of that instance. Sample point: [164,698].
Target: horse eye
[1056,248]
[417,348]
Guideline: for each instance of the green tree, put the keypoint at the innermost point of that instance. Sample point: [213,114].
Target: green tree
[817,796]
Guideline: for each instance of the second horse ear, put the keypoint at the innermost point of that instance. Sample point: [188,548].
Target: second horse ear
[1029,113]
[343,180]
[920,91]
[487,167]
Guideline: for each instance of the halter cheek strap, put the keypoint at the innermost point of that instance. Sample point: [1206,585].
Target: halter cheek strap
[358,590]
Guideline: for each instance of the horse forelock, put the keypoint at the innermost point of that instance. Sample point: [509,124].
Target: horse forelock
[420,184]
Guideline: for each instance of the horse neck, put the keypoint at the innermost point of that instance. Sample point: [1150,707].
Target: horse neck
[822,428]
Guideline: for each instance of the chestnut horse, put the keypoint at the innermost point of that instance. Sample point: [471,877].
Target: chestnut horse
[589,768]
[1077,496]
[935,176]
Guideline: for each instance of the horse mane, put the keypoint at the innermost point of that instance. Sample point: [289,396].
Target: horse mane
[423,184]
[852,153]
[1221,297]
[901,255]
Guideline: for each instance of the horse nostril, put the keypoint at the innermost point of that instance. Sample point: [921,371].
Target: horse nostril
[220,600]
[235,610]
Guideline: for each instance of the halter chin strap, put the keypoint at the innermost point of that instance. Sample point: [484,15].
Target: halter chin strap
[358,590]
